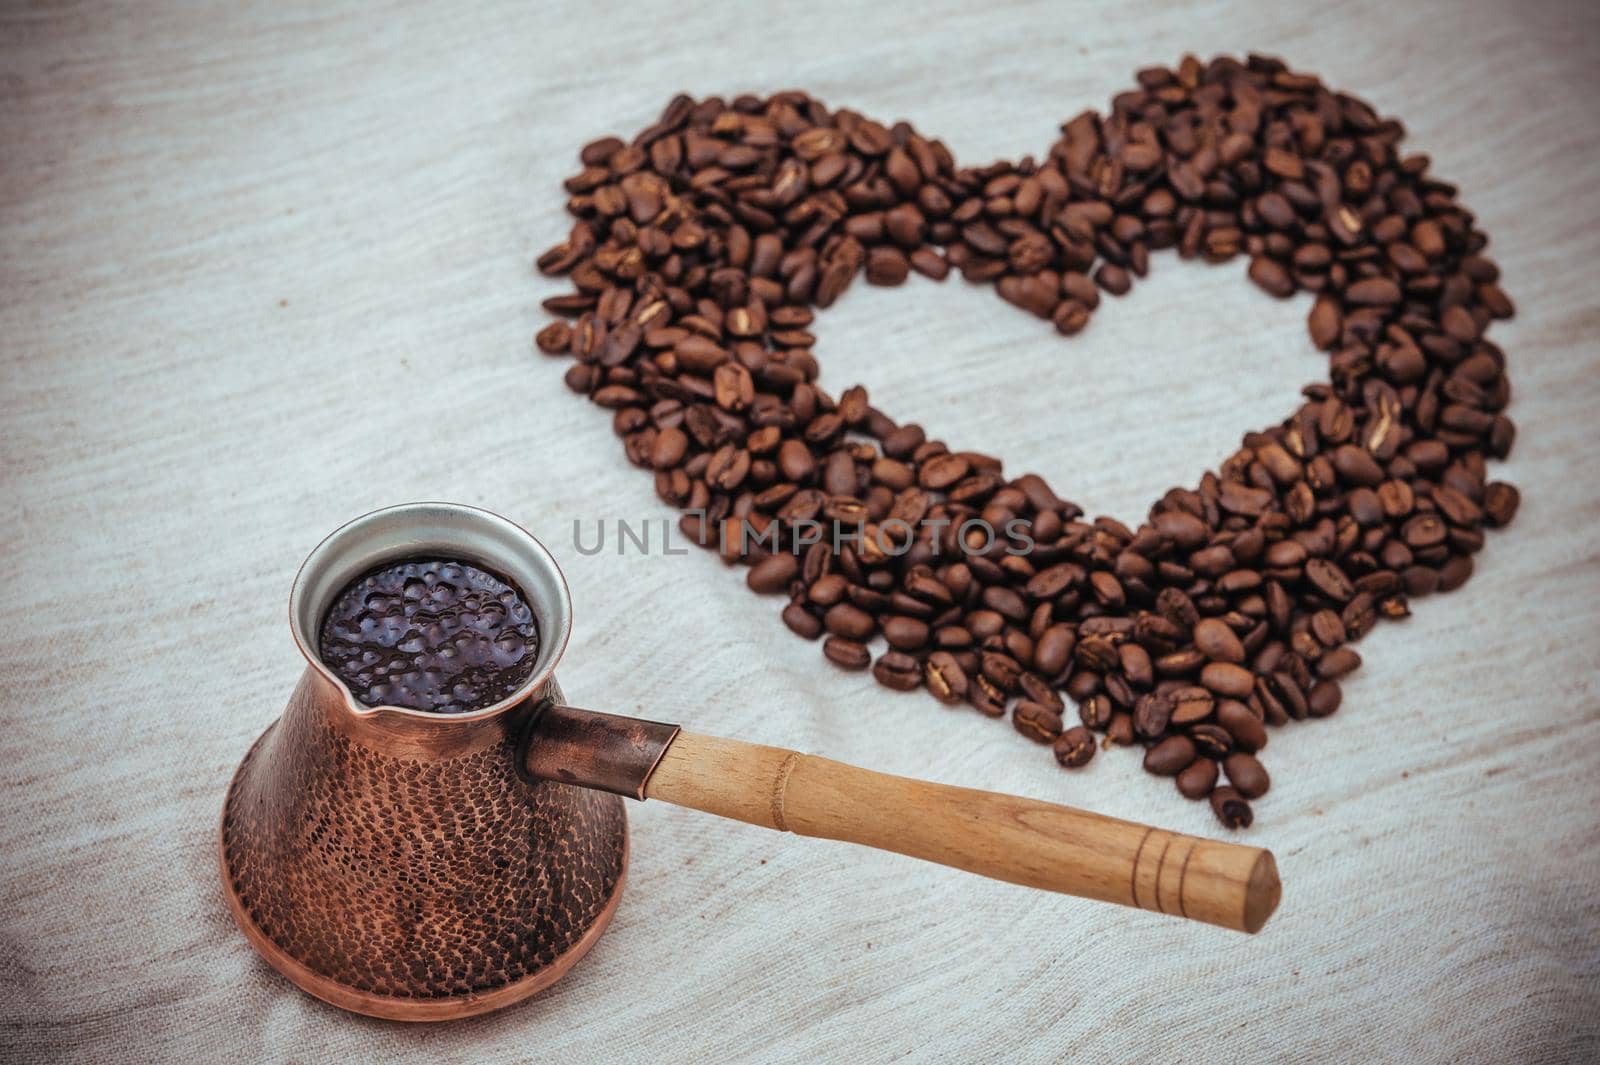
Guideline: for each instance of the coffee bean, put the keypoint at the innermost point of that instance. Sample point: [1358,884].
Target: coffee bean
[828,589]
[1454,573]
[1228,679]
[905,634]
[945,677]
[1036,721]
[943,471]
[1324,698]
[1001,669]
[1107,589]
[1040,692]
[1357,466]
[1374,291]
[1337,663]
[802,622]
[735,389]
[701,250]
[796,461]
[1231,808]
[1170,757]
[1005,602]
[1324,323]
[1245,729]
[1500,501]
[1053,652]
[671,444]
[1070,317]
[1282,686]
[1120,732]
[1151,714]
[849,621]
[1095,712]
[773,574]
[1329,579]
[846,654]
[899,671]
[1456,507]
[1328,628]
[1214,741]
[1424,531]
[1218,642]
[984,697]
[1272,277]
[1136,665]
[1191,704]
[887,266]
[1074,747]
[1184,530]
[1197,779]
[1246,774]
[554,339]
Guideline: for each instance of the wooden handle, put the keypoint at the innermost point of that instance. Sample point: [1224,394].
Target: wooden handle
[1024,841]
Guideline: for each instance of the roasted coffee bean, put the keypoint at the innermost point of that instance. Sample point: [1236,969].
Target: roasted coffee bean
[1213,740]
[773,574]
[554,339]
[1001,669]
[1246,774]
[1095,712]
[1053,652]
[1074,747]
[943,471]
[1228,679]
[1329,579]
[1191,704]
[1036,721]
[1170,757]
[1005,602]
[1136,665]
[1357,466]
[1151,714]
[1323,698]
[828,590]
[1183,529]
[1248,733]
[905,634]
[849,621]
[1424,531]
[1120,732]
[945,677]
[1337,663]
[802,622]
[1197,779]
[899,671]
[1217,641]
[846,654]
[1040,691]
[1231,808]
[701,250]
[1328,628]
[1500,501]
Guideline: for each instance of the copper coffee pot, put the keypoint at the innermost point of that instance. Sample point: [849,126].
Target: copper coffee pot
[419,866]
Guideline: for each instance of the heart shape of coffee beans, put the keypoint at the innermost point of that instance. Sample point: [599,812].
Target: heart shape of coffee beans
[704,247]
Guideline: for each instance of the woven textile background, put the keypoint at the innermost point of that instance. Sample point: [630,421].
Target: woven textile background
[266,267]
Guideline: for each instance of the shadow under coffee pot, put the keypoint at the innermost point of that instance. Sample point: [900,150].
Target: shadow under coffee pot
[422,866]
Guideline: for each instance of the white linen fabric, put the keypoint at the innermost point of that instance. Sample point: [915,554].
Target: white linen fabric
[267,267]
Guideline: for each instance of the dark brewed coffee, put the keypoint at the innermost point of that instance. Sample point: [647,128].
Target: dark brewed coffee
[439,635]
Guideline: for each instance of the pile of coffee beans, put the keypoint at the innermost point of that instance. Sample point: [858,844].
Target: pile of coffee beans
[439,635]
[704,247]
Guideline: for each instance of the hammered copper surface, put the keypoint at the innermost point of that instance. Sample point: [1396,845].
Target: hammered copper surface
[404,868]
